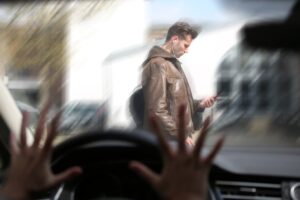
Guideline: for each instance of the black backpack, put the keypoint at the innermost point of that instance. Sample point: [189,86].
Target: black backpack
[137,106]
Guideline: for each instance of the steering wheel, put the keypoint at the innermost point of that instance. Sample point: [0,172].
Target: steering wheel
[92,147]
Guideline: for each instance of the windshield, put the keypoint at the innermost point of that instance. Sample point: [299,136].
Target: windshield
[92,51]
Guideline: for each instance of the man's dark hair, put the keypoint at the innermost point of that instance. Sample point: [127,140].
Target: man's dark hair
[181,29]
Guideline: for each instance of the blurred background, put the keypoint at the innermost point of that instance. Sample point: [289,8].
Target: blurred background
[86,57]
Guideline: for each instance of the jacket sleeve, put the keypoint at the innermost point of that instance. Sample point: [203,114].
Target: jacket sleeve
[197,107]
[155,88]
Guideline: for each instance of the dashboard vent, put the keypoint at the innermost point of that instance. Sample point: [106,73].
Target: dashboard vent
[232,190]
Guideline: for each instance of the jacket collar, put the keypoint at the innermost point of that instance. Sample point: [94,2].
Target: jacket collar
[157,51]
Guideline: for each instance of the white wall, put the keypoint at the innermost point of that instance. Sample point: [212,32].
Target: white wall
[92,40]
[204,57]
[125,77]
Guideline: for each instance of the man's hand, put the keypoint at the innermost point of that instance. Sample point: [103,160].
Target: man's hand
[207,102]
[189,141]
[30,165]
[185,172]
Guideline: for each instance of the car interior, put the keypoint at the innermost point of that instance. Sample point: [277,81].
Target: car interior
[257,79]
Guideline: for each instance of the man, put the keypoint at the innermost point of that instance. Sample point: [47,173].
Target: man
[165,85]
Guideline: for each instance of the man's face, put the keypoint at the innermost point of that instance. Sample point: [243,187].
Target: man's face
[180,46]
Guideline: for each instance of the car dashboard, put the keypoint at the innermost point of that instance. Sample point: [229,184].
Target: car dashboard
[256,173]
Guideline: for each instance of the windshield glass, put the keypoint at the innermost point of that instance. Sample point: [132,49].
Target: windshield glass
[91,52]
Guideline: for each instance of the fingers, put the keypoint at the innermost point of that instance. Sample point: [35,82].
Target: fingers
[210,157]
[146,173]
[14,149]
[181,129]
[208,102]
[200,140]
[166,150]
[23,138]
[52,134]
[40,127]
[189,141]
[68,174]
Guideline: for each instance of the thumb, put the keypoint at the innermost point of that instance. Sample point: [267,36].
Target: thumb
[68,174]
[146,173]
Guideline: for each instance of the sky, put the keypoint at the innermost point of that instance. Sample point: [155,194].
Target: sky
[213,11]
[164,11]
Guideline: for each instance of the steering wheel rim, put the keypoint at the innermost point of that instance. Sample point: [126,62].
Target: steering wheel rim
[138,137]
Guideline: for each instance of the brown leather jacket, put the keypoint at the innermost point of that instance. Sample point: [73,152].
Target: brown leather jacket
[165,89]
